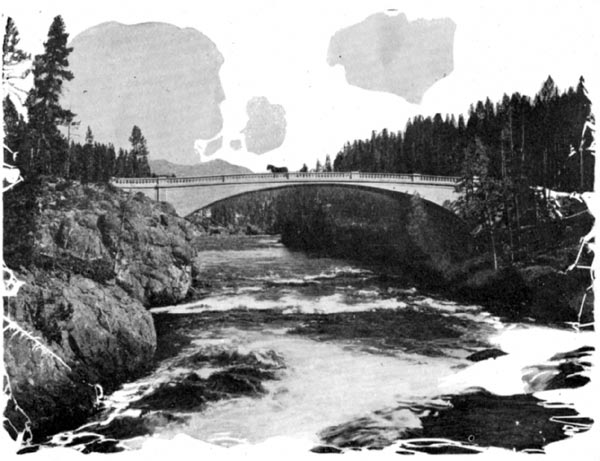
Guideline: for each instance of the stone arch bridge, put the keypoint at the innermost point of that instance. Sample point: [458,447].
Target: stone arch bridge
[188,195]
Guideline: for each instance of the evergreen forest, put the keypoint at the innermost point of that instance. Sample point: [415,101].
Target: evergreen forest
[533,140]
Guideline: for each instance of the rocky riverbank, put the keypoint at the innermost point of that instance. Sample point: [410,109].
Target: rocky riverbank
[540,289]
[93,258]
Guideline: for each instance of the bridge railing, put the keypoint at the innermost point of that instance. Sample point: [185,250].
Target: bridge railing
[292,176]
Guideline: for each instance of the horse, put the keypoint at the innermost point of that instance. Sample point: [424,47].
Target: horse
[277,169]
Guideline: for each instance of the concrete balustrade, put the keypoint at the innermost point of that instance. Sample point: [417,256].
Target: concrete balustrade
[167,181]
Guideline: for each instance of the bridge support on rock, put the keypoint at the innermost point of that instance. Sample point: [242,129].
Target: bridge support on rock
[191,194]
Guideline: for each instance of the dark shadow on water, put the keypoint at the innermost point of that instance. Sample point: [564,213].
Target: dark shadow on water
[466,423]
[423,331]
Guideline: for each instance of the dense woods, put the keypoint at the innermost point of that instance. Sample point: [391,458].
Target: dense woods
[529,139]
[42,145]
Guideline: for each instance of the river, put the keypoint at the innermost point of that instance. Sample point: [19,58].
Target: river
[343,357]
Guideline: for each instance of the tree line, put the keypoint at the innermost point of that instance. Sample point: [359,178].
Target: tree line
[525,137]
[38,145]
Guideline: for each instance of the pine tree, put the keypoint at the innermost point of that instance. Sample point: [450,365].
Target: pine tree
[481,194]
[109,163]
[14,71]
[139,152]
[75,161]
[50,70]
[87,158]
[14,133]
[14,60]
[121,164]
[328,166]
[584,134]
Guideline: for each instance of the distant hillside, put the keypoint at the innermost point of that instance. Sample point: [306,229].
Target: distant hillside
[213,167]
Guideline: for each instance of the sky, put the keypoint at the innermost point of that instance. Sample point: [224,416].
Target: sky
[278,50]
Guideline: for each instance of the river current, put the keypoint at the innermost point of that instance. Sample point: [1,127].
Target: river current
[342,357]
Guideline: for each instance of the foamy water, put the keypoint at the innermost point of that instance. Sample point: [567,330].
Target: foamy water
[292,303]
[331,382]
[323,384]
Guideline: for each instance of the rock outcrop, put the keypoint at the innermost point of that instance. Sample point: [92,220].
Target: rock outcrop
[91,334]
[103,234]
[92,259]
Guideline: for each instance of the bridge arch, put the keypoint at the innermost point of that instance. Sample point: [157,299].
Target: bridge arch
[348,221]
[359,187]
[188,195]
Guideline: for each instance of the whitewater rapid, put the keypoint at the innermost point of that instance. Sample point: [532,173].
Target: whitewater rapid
[272,305]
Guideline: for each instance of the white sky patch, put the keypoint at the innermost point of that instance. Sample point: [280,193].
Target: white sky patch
[279,51]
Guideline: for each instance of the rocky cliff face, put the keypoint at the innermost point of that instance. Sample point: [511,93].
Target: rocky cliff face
[98,333]
[104,234]
[92,259]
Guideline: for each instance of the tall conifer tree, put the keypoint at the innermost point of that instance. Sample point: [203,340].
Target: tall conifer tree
[50,70]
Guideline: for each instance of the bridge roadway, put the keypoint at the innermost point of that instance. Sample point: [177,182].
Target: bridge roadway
[194,193]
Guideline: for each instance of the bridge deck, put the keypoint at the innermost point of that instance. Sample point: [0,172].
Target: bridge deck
[166,182]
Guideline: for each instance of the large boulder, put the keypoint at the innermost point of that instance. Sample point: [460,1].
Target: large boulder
[67,335]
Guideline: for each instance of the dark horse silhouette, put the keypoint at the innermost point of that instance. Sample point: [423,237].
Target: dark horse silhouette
[277,169]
